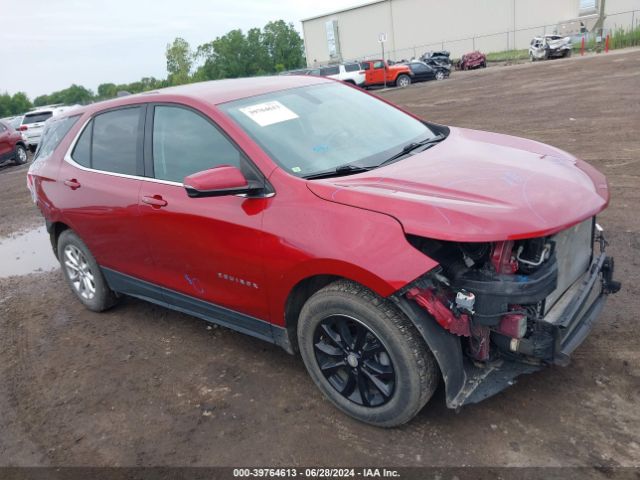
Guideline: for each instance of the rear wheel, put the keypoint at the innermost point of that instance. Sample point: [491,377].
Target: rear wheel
[439,75]
[83,273]
[403,81]
[365,355]
[20,157]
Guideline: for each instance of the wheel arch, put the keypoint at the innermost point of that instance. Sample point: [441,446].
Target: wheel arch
[298,296]
[55,229]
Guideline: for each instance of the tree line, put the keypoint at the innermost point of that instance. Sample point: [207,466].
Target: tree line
[261,51]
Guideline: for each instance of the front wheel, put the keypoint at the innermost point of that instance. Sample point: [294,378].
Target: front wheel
[403,81]
[20,157]
[83,273]
[365,355]
[440,75]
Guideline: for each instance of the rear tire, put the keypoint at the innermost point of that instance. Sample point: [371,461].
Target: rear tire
[365,355]
[20,156]
[83,274]
[440,75]
[403,81]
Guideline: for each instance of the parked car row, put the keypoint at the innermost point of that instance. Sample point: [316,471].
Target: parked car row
[23,132]
[378,72]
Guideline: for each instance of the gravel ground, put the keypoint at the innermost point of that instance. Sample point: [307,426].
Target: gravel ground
[143,385]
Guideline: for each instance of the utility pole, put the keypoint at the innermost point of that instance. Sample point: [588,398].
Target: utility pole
[514,24]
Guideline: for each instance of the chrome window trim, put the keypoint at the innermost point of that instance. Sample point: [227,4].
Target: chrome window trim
[69,159]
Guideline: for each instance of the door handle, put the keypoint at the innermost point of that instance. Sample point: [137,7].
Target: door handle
[155,201]
[72,183]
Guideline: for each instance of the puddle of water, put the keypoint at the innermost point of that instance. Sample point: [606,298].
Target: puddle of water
[27,252]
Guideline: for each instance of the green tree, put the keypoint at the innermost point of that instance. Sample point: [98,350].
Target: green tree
[42,100]
[15,104]
[275,48]
[179,61]
[5,105]
[284,45]
[69,96]
[20,103]
[107,90]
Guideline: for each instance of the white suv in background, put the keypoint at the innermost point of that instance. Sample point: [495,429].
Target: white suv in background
[33,122]
[347,72]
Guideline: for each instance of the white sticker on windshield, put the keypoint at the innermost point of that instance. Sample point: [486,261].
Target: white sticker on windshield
[268,113]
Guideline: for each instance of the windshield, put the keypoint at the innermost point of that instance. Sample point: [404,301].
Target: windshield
[314,129]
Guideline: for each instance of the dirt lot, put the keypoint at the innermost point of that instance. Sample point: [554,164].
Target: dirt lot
[142,385]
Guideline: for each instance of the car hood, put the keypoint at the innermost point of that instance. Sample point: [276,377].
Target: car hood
[475,187]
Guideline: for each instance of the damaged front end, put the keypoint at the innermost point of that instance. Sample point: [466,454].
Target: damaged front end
[493,311]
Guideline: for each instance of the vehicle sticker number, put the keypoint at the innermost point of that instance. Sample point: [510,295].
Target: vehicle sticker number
[268,113]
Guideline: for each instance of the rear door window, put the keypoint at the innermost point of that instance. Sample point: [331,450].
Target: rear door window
[352,67]
[36,118]
[116,141]
[185,142]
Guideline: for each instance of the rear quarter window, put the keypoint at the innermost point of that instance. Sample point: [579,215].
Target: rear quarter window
[53,134]
[82,151]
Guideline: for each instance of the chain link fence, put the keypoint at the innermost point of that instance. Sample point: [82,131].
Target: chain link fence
[623,29]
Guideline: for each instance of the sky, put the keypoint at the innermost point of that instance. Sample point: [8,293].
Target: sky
[46,45]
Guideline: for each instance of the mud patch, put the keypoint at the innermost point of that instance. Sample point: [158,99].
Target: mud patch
[28,252]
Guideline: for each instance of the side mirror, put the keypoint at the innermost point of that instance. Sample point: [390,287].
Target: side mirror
[218,182]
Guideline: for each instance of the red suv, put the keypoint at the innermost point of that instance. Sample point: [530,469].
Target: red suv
[13,145]
[389,253]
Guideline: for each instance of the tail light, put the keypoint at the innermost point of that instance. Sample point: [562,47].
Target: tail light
[22,128]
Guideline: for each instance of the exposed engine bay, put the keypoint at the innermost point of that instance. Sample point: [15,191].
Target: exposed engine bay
[518,299]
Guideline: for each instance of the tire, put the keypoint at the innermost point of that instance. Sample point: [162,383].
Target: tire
[390,349]
[531,57]
[403,81]
[83,274]
[440,75]
[20,156]
[483,65]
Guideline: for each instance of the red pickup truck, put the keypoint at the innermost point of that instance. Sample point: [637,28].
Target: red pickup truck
[376,71]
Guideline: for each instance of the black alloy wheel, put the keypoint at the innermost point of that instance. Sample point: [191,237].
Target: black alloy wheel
[354,361]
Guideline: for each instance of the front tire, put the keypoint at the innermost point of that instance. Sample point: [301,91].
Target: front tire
[83,274]
[440,75]
[20,157]
[365,355]
[403,81]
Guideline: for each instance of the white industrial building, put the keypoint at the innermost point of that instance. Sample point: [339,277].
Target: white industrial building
[411,27]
